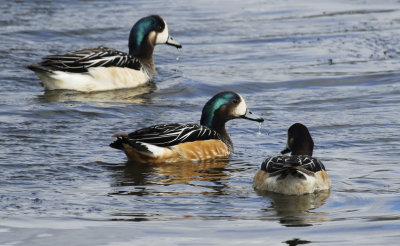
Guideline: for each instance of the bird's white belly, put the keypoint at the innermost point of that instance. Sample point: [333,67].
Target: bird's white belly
[291,185]
[97,79]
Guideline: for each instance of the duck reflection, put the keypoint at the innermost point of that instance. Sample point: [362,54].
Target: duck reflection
[185,172]
[134,96]
[139,174]
[297,210]
[296,241]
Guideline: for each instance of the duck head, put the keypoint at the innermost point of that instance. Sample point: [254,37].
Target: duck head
[223,107]
[299,141]
[148,32]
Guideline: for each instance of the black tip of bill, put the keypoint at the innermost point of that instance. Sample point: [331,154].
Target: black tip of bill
[250,116]
[172,42]
[285,151]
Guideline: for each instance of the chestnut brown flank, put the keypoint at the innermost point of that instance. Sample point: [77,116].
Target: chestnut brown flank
[190,151]
[259,179]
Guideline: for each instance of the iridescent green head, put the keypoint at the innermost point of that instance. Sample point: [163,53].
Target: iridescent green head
[225,106]
[150,30]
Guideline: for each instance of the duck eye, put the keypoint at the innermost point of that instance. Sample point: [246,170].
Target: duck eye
[235,101]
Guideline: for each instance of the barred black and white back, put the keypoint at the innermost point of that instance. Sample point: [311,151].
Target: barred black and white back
[147,140]
[81,60]
[165,135]
[300,165]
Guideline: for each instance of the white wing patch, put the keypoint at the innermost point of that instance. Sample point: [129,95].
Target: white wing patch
[157,151]
[290,185]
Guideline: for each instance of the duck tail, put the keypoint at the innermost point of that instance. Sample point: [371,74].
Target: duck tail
[293,171]
[117,144]
[38,68]
[124,140]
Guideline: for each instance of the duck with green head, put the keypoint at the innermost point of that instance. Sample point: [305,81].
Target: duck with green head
[191,142]
[102,68]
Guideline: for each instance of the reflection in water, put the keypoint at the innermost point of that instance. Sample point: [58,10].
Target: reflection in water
[296,210]
[137,174]
[160,191]
[129,95]
[133,174]
[296,241]
[184,172]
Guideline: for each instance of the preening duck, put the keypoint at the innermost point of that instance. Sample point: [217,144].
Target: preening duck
[102,68]
[188,142]
[297,174]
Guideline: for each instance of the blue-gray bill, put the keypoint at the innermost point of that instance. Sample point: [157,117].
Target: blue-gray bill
[285,151]
[172,42]
[250,116]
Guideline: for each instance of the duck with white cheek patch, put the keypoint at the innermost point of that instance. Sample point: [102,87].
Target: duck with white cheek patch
[188,142]
[102,68]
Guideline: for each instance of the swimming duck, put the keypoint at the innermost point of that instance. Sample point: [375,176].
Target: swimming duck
[103,68]
[188,142]
[297,174]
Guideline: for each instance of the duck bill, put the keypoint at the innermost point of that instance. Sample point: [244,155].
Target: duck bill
[250,116]
[285,151]
[172,42]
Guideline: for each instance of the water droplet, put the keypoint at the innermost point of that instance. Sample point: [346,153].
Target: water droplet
[259,129]
[177,58]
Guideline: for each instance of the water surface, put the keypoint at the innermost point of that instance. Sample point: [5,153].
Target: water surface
[332,66]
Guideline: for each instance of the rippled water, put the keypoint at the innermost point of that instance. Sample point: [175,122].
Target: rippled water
[333,66]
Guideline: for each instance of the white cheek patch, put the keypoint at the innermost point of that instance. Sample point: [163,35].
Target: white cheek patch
[241,109]
[162,37]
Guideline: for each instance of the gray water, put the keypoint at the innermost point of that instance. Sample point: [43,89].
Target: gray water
[332,65]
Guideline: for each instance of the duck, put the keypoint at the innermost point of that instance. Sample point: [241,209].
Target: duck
[102,68]
[296,174]
[175,142]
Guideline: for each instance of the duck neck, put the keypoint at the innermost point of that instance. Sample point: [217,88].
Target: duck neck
[148,65]
[303,147]
[220,128]
[144,54]
[303,151]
